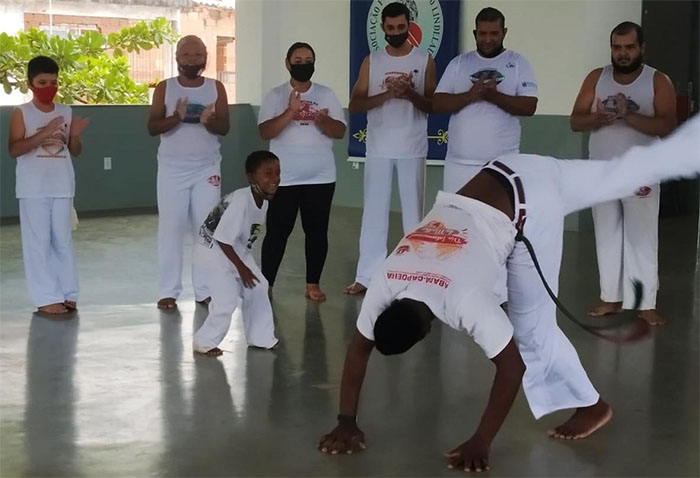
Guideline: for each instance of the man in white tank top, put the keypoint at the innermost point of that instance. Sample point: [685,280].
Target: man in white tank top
[189,112]
[626,104]
[394,87]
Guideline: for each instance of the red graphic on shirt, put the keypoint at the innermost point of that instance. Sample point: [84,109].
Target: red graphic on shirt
[434,240]
[644,191]
[425,277]
[55,144]
[307,112]
[214,180]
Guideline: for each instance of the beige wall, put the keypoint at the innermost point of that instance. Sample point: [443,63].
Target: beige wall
[563,39]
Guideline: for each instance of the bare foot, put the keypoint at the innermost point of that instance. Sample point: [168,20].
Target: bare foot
[167,303]
[606,308]
[215,352]
[204,302]
[71,305]
[583,422]
[652,317]
[53,309]
[314,292]
[355,288]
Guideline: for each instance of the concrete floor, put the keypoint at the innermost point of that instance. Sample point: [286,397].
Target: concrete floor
[116,390]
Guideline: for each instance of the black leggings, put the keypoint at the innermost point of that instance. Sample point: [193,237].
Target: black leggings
[314,202]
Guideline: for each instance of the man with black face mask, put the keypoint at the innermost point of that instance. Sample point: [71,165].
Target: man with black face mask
[189,112]
[485,91]
[625,104]
[394,87]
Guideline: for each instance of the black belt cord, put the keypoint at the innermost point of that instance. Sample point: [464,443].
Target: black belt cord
[588,328]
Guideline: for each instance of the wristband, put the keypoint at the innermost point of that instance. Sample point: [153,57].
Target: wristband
[347,418]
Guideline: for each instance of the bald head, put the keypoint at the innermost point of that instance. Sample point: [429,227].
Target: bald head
[190,41]
[191,56]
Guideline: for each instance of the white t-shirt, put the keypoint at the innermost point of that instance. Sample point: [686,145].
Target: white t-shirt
[236,221]
[451,263]
[189,143]
[481,131]
[45,171]
[306,154]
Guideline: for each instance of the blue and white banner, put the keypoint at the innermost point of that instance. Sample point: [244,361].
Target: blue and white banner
[434,27]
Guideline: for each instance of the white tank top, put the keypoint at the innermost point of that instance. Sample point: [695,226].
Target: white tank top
[189,143]
[46,171]
[397,129]
[613,140]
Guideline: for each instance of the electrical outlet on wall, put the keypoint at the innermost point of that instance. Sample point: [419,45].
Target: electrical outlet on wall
[108,163]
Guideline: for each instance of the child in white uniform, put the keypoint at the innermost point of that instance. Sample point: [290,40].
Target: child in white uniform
[43,137]
[224,250]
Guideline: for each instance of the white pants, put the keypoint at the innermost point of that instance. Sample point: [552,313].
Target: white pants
[376,203]
[555,378]
[47,248]
[627,243]
[228,295]
[455,176]
[185,197]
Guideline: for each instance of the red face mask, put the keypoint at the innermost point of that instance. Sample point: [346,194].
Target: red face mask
[46,94]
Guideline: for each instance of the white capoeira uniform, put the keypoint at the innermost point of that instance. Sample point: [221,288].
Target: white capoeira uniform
[481,131]
[396,139]
[189,185]
[236,221]
[626,230]
[461,234]
[45,186]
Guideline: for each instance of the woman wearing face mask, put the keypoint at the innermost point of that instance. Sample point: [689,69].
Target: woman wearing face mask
[189,112]
[301,119]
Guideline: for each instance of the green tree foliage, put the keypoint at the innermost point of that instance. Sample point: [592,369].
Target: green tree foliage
[93,67]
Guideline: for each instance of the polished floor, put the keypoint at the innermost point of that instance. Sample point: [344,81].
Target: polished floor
[116,390]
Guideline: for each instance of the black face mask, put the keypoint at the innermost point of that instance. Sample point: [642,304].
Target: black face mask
[190,71]
[301,71]
[396,40]
[626,69]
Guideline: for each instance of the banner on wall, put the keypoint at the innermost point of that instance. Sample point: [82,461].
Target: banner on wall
[434,27]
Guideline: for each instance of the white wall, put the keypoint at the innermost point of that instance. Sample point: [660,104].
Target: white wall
[266,28]
[563,39]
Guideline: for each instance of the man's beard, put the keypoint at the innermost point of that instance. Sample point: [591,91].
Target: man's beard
[496,51]
[626,69]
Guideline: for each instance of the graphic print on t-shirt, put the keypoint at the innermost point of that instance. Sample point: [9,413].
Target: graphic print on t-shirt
[487,74]
[53,146]
[254,233]
[194,111]
[391,77]
[434,240]
[206,231]
[426,277]
[610,104]
[307,113]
